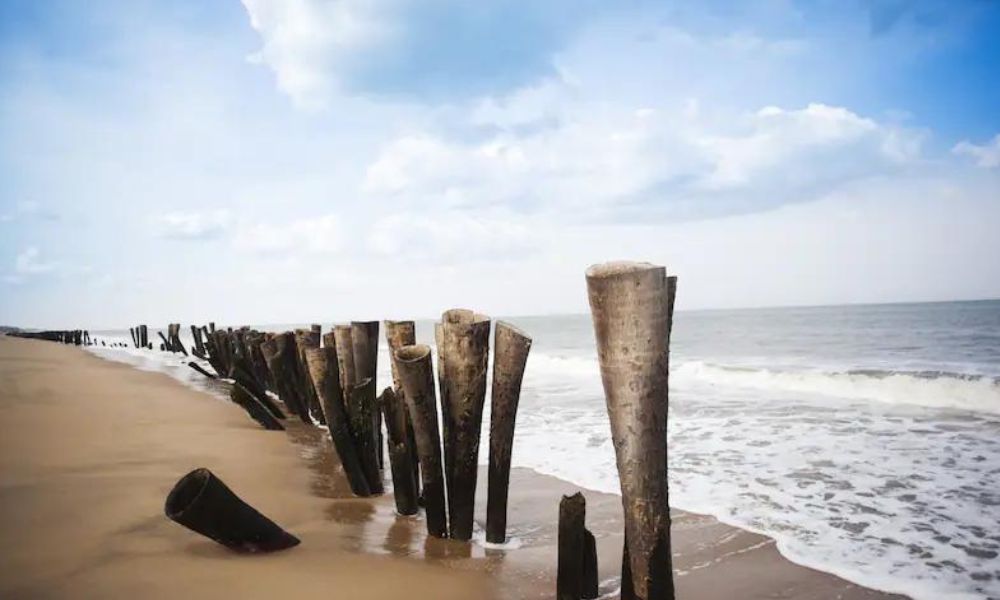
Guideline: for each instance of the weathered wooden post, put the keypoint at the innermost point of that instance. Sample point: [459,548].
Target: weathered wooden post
[257,411]
[416,376]
[143,336]
[304,339]
[631,308]
[199,345]
[364,343]
[404,483]
[397,335]
[279,352]
[569,573]
[359,411]
[510,354]
[345,353]
[325,376]
[466,354]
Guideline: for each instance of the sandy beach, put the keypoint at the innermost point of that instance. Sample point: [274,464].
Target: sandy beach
[89,449]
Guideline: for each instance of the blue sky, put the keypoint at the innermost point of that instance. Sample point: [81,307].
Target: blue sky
[302,160]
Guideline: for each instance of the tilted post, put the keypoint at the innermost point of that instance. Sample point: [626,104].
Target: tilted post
[416,376]
[631,308]
[510,354]
[466,355]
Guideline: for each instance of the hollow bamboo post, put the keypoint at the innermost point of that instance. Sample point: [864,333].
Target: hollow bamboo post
[325,377]
[466,350]
[630,305]
[345,352]
[416,376]
[359,411]
[510,354]
[569,573]
[400,459]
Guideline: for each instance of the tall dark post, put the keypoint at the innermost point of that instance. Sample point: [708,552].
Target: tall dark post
[416,376]
[400,459]
[279,354]
[631,308]
[324,373]
[364,343]
[511,348]
[466,354]
[569,575]
[359,411]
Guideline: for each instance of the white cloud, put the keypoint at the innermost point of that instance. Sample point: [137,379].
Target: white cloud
[305,41]
[595,162]
[316,235]
[453,236]
[193,225]
[986,155]
[28,262]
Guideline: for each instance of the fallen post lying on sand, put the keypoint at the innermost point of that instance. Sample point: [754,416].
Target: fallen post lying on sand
[466,353]
[325,376]
[254,407]
[631,305]
[201,370]
[510,354]
[201,502]
[404,484]
[416,375]
[576,574]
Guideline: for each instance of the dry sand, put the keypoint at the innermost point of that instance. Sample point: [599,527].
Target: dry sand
[90,448]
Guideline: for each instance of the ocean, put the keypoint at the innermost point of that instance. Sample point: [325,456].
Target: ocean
[864,439]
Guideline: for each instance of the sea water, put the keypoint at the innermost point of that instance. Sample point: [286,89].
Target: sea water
[864,439]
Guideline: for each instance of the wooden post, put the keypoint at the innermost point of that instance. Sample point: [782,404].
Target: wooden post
[589,574]
[569,575]
[241,396]
[143,336]
[466,351]
[510,355]
[345,352]
[397,335]
[198,368]
[416,376]
[631,308]
[400,460]
[359,411]
[364,343]
[135,341]
[199,346]
[279,353]
[304,339]
[325,377]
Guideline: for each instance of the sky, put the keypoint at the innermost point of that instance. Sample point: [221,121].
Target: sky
[272,161]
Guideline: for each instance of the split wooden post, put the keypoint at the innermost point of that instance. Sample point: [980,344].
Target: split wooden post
[416,376]
[324,373]
[305,339]
[510,354]
[404,484]
[345,352]
[631,308]
[397,335]
[466,355]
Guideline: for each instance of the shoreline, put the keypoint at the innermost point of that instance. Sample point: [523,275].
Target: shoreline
[301,487]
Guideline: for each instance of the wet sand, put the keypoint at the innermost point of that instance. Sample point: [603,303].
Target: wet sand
[89,449]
